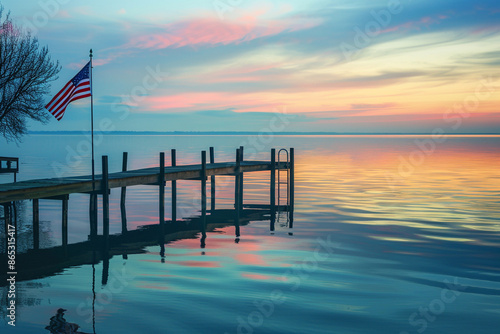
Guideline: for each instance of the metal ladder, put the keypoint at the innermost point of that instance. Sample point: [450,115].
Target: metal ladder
[283,216]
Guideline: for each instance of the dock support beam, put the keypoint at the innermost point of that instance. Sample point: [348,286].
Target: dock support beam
[174,188]
[212,182]
[203,176]
[273,189]
[36,223]
[161,182]
[123,209]
[105,201]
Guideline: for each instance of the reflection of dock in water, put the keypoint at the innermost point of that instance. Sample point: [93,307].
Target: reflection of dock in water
[38,262]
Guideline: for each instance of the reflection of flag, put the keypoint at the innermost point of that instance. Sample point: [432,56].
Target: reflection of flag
[77,88]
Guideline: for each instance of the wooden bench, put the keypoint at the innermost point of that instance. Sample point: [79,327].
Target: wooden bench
[9,165]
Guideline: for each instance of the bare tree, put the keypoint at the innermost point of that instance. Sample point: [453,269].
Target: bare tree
[25,73]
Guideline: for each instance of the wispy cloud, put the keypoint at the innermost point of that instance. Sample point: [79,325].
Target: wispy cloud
[424,22]
[211,32]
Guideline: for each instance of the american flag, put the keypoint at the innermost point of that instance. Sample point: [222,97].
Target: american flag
[77,88]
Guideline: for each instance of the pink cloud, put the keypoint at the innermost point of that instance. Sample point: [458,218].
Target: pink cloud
[63,14]
[209,100]
[185,100]
[486,29]
[208,31]
[246,73]
[417,25]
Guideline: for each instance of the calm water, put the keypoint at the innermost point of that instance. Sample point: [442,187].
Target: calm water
[387,239]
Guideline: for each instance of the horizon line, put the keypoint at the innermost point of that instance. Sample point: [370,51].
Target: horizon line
[284,133]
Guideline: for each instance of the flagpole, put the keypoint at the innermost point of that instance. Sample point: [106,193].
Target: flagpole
[92,119]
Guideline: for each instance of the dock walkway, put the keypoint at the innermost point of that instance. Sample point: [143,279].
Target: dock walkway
[46,188]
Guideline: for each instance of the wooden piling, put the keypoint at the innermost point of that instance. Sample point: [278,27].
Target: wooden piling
[241,180]
[123,209]
[36,224]
[174,188]
[203,175]
[65,221]
[161,182]
[212,182]
[93,215]
[105,201]
[273,189]
[292,186]
[237,185]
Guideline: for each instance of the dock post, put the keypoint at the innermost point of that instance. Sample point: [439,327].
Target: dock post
[161,182]
[203,192]
[273,189]
[93,215]
[241,179]
[36,224]
[292,186]
[105,201]
[174,188]
[123,209]
[212,182]
[237,185]
[65,221]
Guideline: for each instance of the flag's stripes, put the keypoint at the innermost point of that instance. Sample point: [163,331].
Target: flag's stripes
[76,89]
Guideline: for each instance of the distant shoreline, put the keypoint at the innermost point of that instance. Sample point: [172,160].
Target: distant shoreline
[250,133]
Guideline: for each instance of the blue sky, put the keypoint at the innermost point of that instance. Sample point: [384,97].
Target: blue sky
[340,66]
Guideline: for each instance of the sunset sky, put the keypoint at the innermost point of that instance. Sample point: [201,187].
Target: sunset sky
[231,65]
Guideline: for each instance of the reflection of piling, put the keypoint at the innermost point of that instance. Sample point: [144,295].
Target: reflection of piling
[36,224]
[105,267]
[10,218]
[65,221]
[6,218]
[105,201]
[212,182]
[123,195]
[203,175]
[174,188]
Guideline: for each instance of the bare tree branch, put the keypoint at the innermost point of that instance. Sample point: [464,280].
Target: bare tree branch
[26,71]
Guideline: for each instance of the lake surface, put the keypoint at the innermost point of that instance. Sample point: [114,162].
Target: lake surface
[391,234]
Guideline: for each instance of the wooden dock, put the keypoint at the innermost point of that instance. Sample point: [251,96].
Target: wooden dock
[100,185]
[47,188]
